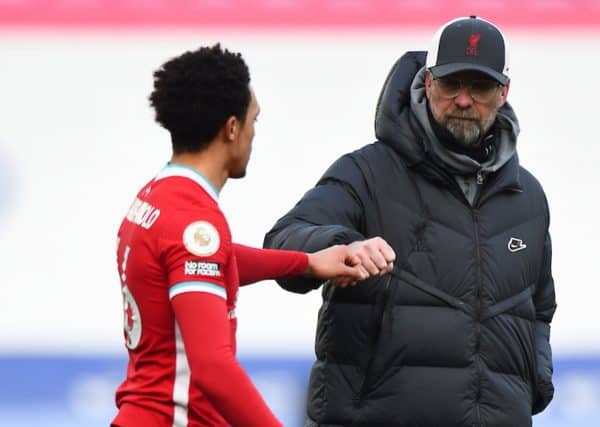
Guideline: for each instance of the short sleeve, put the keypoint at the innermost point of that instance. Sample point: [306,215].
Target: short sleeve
[195,247]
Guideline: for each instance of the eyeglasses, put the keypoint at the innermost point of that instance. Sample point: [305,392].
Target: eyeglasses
[480,90]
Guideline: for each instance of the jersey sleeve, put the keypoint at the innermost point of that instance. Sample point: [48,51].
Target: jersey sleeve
[256,264]
[195,248]
[204,326]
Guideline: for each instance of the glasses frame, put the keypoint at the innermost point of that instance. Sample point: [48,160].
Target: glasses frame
[468,84]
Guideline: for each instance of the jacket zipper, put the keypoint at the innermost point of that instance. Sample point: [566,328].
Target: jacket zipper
[480,178]
[478,316]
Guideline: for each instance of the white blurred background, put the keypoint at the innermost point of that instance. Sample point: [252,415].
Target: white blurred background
[77,140]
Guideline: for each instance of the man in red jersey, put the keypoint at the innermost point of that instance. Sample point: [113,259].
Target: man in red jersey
[180,270]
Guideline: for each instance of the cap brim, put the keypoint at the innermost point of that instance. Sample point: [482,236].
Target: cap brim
[447,69]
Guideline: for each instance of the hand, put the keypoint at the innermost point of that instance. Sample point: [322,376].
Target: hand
[375,254]
[376,257]
[336,262]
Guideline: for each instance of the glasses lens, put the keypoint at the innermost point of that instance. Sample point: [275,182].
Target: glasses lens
[483,90]
[448,87]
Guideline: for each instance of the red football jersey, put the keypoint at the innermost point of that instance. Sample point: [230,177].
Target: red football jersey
[175,241]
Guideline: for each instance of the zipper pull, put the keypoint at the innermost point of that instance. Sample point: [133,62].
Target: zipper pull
[480,177]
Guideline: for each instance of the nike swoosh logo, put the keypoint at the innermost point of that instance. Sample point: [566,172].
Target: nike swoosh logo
[515,245]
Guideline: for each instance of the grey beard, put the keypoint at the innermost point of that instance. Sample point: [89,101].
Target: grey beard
[469,132]
[466,133]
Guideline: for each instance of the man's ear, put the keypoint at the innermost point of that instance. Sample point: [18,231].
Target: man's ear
[428,83]
[504,93]
[231,128]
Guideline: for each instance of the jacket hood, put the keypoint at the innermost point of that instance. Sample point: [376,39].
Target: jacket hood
[395,125]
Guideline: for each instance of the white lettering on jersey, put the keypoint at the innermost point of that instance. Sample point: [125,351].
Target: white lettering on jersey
[124,264]
[142,213]
[132,319]
[198,268]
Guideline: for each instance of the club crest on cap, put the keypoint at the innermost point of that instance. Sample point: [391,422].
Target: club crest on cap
[472,49]
[201,238]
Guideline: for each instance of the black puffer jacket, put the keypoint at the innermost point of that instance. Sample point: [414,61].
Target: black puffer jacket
[458,333]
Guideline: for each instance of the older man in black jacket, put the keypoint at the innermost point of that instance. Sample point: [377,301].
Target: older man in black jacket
[457,334]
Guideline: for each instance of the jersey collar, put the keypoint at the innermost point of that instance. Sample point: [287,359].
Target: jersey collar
[172,169]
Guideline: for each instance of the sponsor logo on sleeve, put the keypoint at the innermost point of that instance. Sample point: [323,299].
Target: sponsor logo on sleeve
[201,238]
[199,268]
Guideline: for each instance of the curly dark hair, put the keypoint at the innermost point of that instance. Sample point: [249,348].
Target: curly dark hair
[195,93]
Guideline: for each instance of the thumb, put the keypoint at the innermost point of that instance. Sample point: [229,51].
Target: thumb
[355,271]
[352,259]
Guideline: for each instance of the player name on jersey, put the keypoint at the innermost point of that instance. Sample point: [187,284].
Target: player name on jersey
[142,213]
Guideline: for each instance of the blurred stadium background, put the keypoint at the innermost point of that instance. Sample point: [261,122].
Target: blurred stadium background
[77,139]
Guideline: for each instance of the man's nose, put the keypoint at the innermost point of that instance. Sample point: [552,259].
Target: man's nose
[464,99]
